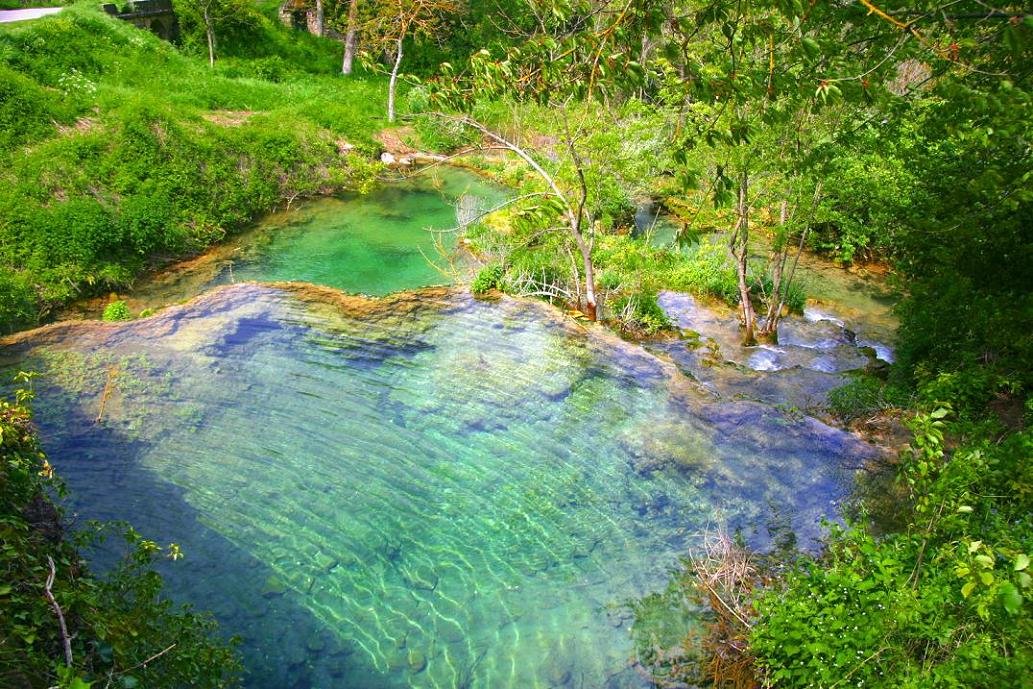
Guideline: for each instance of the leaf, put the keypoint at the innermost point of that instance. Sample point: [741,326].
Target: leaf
[5,589]
[1011,598]
[974,546]
[967,589]
[1021,562]
[939,413]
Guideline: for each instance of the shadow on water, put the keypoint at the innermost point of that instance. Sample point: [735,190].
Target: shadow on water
[284,646]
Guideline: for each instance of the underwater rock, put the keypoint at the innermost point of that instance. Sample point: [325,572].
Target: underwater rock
[421,577]
[315,643]
[417,661]
[274,587]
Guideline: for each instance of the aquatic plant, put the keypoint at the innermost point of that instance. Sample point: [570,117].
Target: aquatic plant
[116,311]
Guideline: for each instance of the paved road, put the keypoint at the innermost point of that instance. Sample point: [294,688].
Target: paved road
[23,15]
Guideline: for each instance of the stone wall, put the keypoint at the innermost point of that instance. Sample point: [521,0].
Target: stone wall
[156,16]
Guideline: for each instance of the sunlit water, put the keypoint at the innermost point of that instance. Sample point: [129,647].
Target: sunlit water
[425,491]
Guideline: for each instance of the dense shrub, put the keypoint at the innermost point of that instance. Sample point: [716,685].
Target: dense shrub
[488,278]
[116,311]
[943,603]
[640,313]
[866,395]
[706,270]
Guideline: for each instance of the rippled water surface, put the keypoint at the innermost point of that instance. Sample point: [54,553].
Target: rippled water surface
[425,490]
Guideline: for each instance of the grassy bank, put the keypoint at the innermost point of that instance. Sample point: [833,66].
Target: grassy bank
[119,150]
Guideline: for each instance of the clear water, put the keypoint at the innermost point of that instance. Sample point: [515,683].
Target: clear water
[420,491]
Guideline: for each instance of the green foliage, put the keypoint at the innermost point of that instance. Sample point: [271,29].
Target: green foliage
[116,311]
[488,278]
[944,603]
[706,271]
[866,395]
[640,313]
[115,622]
[157,154]
[866,202]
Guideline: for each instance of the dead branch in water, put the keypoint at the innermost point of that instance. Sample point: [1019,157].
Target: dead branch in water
[725,576]
[112,373]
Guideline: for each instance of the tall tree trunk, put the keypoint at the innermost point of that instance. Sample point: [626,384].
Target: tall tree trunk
[349,38]
[319,17]
[740,246]
[776,300]
[591,310]
[394,81]
[209,31]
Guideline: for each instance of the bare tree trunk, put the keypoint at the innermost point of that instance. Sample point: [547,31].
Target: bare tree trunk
[394,81]
[319,17]
[776,300]
[782,282]
[209,31]
[349,38]
[591,310]
[739,243]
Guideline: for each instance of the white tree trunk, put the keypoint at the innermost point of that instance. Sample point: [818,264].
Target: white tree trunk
[349,38]
[574,216]
[394,81]
[740,245]
[319,17]
[209,31]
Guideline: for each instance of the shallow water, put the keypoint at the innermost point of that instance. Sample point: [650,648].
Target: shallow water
[423,491]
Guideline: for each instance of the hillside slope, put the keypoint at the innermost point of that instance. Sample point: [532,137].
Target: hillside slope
[118,150]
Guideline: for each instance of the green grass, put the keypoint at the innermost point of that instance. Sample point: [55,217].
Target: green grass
[118,149]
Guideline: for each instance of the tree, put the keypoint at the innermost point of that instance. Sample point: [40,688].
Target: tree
[575,218]
[395,21]
[350,37]
[210,14]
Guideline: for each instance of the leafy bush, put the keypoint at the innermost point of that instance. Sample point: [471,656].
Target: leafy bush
[866,395]
[488,278]
[116,311]
[943,603]
[640,313]
[706,270]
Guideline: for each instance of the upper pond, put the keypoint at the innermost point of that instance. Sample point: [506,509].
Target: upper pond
[424,490]
[376,243]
